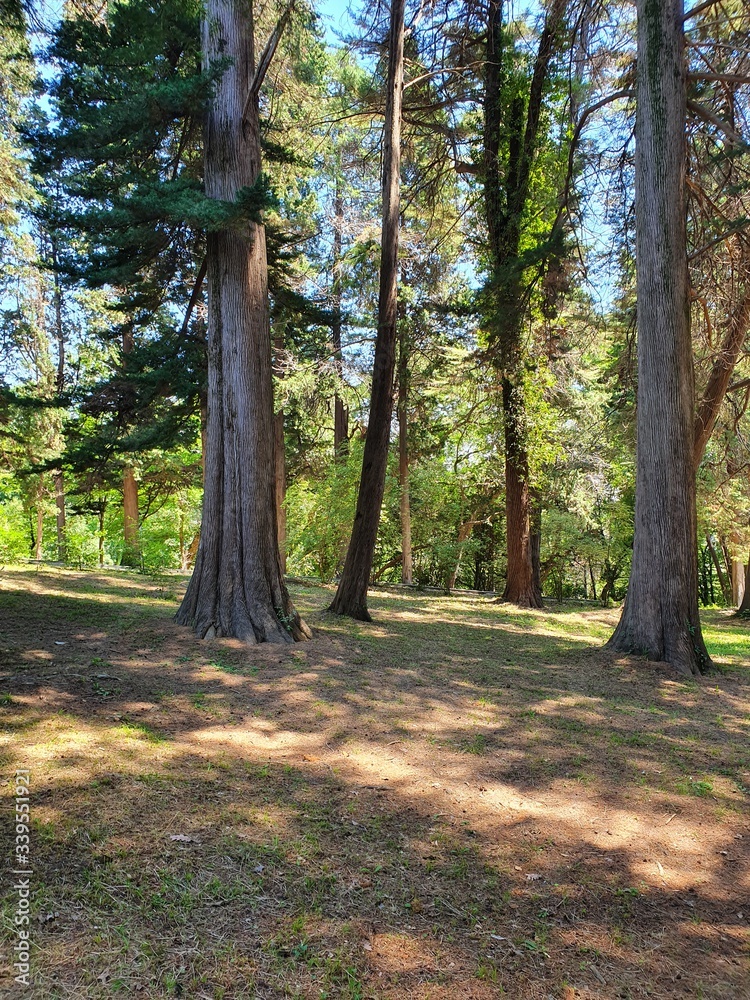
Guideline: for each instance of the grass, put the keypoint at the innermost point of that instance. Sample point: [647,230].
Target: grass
[461,799]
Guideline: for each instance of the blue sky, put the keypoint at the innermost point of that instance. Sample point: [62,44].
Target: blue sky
[335,18]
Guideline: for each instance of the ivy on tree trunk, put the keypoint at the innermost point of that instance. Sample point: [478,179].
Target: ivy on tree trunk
[506,192]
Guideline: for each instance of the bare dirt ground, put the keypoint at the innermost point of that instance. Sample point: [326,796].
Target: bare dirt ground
[461,800]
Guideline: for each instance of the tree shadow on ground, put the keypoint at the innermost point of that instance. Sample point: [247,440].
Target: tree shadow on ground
[427,806]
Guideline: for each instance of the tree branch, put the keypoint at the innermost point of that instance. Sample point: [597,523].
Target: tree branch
[440,72]
[738,227]
[194,295]
[720,77]
[266,56]
[585,115]
[718,380]
[708,116]
[698,9]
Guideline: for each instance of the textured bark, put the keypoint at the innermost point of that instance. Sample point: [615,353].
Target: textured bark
[340,412]
[536,547]
[506,192]
[204,424]
[237,588]
[523,577]
[280,485]
[660,616]
[131,554]
[351,596]
[279,458]
[407,570]
[519,582]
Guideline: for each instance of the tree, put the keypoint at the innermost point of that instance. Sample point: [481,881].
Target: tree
[351,595]
[407,563]
[512,119]
[237,588]
[16,82]
[660,616]
[340,412]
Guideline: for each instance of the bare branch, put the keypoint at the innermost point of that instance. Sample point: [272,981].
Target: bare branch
[441,72]
[585,115]
[699,9]
[720,77]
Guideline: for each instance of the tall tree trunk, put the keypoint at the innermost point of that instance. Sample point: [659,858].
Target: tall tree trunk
[536,546]
[522,521]
[204,425]
[407,572]
[57,475]
[340,412]
[237,588]
[131,553]
[660,616]
[351,596]
[192,551]
[280,484]
[506,192]
[279,458]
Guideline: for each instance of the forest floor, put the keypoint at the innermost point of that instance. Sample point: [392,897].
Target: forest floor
[461,800]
